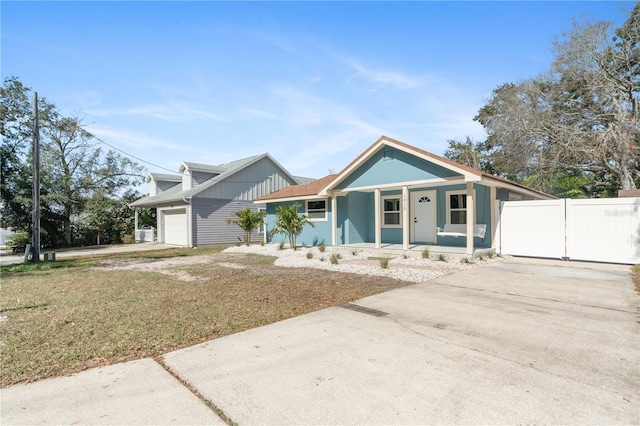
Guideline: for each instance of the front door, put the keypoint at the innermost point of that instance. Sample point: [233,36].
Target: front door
[423,212]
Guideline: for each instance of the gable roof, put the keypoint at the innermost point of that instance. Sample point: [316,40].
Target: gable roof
[165,177]
[199,167]
[470,174]
[224,171]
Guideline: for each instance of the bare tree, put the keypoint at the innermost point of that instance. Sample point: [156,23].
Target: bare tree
[582,114]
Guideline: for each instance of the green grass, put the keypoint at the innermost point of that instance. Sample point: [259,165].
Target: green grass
[66,316]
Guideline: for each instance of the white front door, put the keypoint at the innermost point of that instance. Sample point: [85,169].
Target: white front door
[423,214]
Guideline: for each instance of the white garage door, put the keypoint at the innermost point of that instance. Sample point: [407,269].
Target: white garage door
[175,227]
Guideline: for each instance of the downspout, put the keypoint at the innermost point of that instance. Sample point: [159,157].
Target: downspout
[189,222]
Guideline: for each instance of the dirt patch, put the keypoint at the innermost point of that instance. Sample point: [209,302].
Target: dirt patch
[171,266]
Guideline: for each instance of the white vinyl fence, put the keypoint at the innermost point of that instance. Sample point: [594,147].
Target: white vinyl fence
[600,230]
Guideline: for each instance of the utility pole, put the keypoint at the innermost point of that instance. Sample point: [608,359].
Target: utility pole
[35,216]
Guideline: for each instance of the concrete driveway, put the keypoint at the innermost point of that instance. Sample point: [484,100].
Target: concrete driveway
[514,342]
[519,341]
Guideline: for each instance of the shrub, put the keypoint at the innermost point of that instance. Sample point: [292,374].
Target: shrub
[128,239]
[19,240]
[334,258]
[425,253]
[309,255]
[384,263]
[442,257]
[490,255]
[466,260]
[290,223]
[322,247]
[354,252]
[281,245]
[247,220]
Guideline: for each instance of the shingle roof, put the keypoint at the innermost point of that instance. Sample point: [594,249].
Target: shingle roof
[297,191]
[166,177]
[224,171]
[331,181]
[200,167]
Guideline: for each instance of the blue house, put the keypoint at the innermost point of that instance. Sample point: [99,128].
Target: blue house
[397,194]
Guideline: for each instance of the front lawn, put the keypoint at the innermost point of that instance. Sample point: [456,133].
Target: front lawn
[63,317]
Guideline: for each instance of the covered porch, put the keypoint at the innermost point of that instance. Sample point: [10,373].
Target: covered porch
[405,218]
[434,250]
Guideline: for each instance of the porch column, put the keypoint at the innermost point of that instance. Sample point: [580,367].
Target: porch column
[334,220]
[377,218]
[135,221]
[471,218]
[405,218]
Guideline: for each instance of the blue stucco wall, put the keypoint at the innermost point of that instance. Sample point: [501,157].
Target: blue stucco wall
[361,215]
[319,233]
[390,166]
[356,221]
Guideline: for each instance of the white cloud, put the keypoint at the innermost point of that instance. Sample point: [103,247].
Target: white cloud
[174,112]
[382,78]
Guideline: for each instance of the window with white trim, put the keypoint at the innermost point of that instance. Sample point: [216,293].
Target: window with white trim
[457,207]
[317,209]
[391,215]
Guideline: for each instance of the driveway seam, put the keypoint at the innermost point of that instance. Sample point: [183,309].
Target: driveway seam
[535,298]
[213,407]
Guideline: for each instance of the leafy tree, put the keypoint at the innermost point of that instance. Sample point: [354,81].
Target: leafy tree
[581,115]
[470,153]
[290,223]
[248,220]
[111,219]
[73,167]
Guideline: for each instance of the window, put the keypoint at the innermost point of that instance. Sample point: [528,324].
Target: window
[317,209]
[457,207]
[391,211]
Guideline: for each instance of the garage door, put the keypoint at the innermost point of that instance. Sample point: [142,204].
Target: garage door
[175,227]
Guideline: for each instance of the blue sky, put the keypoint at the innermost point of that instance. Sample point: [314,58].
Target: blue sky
[312,83]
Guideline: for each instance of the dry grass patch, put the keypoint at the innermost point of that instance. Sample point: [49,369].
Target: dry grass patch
[64,317]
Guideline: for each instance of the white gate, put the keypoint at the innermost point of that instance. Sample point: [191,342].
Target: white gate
[600,230]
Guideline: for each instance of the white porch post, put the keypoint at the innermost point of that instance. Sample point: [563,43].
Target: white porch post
[471,218]
[135,221]
[377,218]
[405,218]
[334,220]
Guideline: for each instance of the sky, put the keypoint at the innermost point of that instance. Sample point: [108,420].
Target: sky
[314,84]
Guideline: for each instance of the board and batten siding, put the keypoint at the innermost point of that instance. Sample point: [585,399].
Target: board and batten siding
[210,221]
[261,178]
[200,177]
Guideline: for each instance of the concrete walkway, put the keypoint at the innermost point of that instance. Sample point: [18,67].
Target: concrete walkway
[519,341]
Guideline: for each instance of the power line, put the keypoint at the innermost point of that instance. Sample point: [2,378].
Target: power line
[132,156]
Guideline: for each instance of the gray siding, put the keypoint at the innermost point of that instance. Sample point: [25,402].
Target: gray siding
[256,180]
[162,186]
[200,177]
[210,221]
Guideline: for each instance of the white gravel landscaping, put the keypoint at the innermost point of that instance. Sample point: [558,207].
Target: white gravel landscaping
[410,267]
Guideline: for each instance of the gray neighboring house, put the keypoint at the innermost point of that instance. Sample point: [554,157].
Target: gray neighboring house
[193,207]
